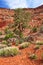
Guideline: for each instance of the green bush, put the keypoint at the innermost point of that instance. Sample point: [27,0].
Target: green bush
[17,42]
[9,51]
[37,47]
[34,29]
[33,56]
[7,31]
[5,42]
[21,40]
[24,45]
[14,51]
[39,42]
[1,52]
[29,38]
[21,19]
[7,36]
[6,52]
[0,33]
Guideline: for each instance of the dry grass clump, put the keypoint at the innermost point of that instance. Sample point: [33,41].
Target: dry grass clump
[38,42]
[9,51]
[24,45]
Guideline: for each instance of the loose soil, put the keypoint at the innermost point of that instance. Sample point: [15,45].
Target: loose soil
[23,57]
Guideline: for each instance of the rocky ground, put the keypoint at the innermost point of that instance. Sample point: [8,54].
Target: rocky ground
[27,55]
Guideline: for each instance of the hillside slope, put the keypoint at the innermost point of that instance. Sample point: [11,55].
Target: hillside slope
[7,15]
[21,28]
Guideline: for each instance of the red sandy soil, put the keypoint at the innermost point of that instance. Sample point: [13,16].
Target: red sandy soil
[23,58]
[2,24]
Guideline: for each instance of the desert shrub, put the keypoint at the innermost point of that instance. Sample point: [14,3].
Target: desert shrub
[37,47]
[34,29]
[21,16]
[5,42]
[7,36]
[29,38]
[39,42]
[33,56]
[21,19]
[7,31]
[6,52]
[24,45]
[1,52]
[41,29]
[14,51]
[21,40]
[17,32]
[9,51]
[0,33]
[17,42]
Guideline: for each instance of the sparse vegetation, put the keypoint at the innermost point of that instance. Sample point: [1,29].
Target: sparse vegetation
[5,42]
[29,38]
[21,19]
[7,31]
[24,45]
[37,47]
[17,42]
[0,33]
[33,56]
[9,51]
[22,32]
[34,29]
[39,42]
[7,36]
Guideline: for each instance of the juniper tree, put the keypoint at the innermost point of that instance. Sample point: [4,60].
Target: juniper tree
[21,18]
